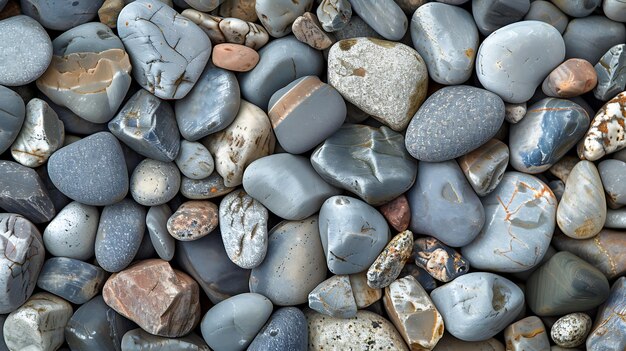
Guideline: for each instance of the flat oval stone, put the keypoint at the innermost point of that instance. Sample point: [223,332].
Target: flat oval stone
[194,160]
[369,162]
[527,334]
[286,329]
[444,205]
[294,264]
[22,191]
[281,62]
[72,232]
[334,14]
[612,173]
[193,220]
[565,284]
[334,297]
[435,133]
[26,50]
[573,77]
[61,14]
[119,235]
[364,295]
[545,11]
[577,8]
[571,330]
[234,57]
[582,209]
[478,305]
[390,261]
[168,71]
[154,182]
[447,38]
[12,113]
[203,189]
[519,222]
[514,60]
[397,213]
[73,280]
[230,30]
[603,137]
[609,327]
[156,223]
[243,224]
[233,323]
[21,259]
[278,15]
[359,70]
[210,106]
[384,16]
[495,14]
[611,73]
[305,113]
[549,130]
[139,340]
[485,166]
[590,37]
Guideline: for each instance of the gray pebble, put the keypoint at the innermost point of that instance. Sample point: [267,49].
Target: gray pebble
[579,8]
[72,232]
[494,14]
[334,297]
[571,330]
[73,280]
[384,16]
[204,5]
[278,15]
[356,28]
[194,160]
[74,124]
[156,223]
[285,330]
[612,173]
[615,10]
[140,340]
[485,166]
[12,113]
[615,218]
[23,192]
[611,71]
[3,345]
[204,189]
[545,11]
[591,37]
[231,30]
[154,182]
[334,14]
[146,249]
[61,14]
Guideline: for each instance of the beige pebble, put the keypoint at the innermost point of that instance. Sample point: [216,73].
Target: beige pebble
[308,30]
[235,57]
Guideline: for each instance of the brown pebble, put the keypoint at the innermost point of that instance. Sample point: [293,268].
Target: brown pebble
[12,8]
[573,77]
[397,213]
[235,57]
[193,220]
[242,9]
[109,11]
[308,30]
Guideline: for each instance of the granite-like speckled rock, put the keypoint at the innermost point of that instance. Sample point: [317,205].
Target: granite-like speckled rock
[334,297]
[278,15]
[194,160]
[571,330]
[12,113]
[334,14]
[154,182]
[285,330]
[603,137]
[73,280]
[591,37]
[440,261]
[391,260]
[384,16]
[494,14]
[611,72]
[140,340]
[609,327]
[485,166]
[527,334]
[23,192]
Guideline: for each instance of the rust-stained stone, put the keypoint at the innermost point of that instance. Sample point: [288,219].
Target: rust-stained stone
[571,78]
[390,261]
[234,57]
[308,30]
[193,220]
[439,260]
[606,134]
[526,334]
[161,300]
[397,213]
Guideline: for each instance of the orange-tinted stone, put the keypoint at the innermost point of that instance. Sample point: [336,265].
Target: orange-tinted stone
[235,57]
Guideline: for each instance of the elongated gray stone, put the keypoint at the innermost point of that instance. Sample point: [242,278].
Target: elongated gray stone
[154,182]
[156,223]
[12,113]
[23,192]
[485,166]
[384,16]
[334,14]
[194,160]
[203,189]
[494,14]
[334,297]
[611,71]
[72,232]
[591,37]
[278,15]
[286,329]
[545,11]
[61,14]
[140,340]
[73,280]
[608,329]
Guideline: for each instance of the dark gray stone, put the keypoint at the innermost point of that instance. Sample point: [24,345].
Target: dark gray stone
[73,123]
[3,345]
[580,8]
[545,11]
[591,37]
[285,330]
[12,113]
[156,223]
[140,340]
[23,192]
[611,71]
[356,28]
[613,174]
[61,14]
[494,14]
[73,280]
[203,189]
[384,16]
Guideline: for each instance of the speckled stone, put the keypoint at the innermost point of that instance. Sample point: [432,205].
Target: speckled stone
[154,182]
[72,232]
[582,209]
[193,220]
[485,166]
[334,297]
[359,70]
[12,113]
[545,11]
[607,127]
[230,30]
[577,8]
[22,191]
[26,50]
[549,130]
[203,189]
[565,284]
[479,305]
[286,329]
[494,14]
[527,334]
[194,160]
[294,264]
[612,174]
[73,280]
[514,113]
[119,235]
[397,213]
[440,261]
[390,261]
[450,343]
[156,223]
[364,295]
[571,330]
[514,60]
[384,16]
[519,222]
[334,14]
[608,329]
[61,14]
[278,15]
[573,77]
[369,162]
[591,37]
[444,205]
[168,71]
[611,73]
[140,340]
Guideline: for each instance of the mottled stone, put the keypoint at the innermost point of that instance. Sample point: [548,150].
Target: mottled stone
[571,330]
[494,14]
[334,297]
[440,261]
[611,73]
[156,223]
[359,70]
[193,220]
[384,16]
[229,30]
[61,14]
[397,213]
[12,113]
[307,29]
[278,15]
[22,191]
[203,189]
[161,300]
[606,134]
[73,280]
[608,330]
[168,52]
[72,232]
[485,166]
[286,329]
[109,11]
[479,305]
[612,173]
[194,160]
[391,260]
[364,295]
[591,37]
[369,162]
[514,113]
[573,77]
[234,57]
[243,9]
[139,340]
[527,334]
[334,14]
[450,343]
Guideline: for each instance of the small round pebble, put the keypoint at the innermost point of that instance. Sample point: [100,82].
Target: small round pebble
[234,57]
[154,182]
[571,330]
[72,233]
[194,160]
[193,220]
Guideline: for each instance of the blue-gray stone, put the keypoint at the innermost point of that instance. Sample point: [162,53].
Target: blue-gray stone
[278,15]
[140,340]
[580,8]
[119,235]
[591,37]
[73,123]
[147,125]
[23,192]
[88,37]
[369,162]
[285,330]
[281,62]
[443,204]
[550,128]
[59,200]
[611,71]
[12,113]
[334,14]
[194,160]
[615,10]
[73,280]
[146,249]
[3,3]
[61,14]
[494,14]
[613,174]
[334,297]
[608,332]
[204,5]
[384,16]
[356,28]
[91,171]
[545,11]
[438,133]
[447,38]
[156,223]
[210,106]
[3,345]
[233,323]
[203,189]
[353,234]
[154,182]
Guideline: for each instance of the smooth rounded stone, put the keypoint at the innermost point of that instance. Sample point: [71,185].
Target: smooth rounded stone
[41,135]
[307,29]
[549,130]
[608,330]
[278,15]
[234,57]
[73,280]
[58,199]
[23,192]
[615,219]
[615,10]
[444,205]
[582,209]
[74,124]
[12,114]
[167,65]
[591,37]
[156,223]
[91,171]
[485,166]
[334,14]
[229,30]
[120,231]
[243,224]
[203,189]
[334,297]
[26,50]
[384,16]
[193,220]
[435,133]
[369,162]
[571,330]
[294,264]
[364,295]
[527,334]
[397,213]
[146,249]
[353,234]
[447,38]
[233,323]
[413,313]
[565,284]
[194,160]
[38,324]
[286,329]
[421,275]
[161,300]
[367,330]
[96,327]
[440,261]
[305,113]
[22,256]
[140,340]
[243,9]
[611,73]
[495,14]
[282,61]
[612,173]
[519,222]
[389,263]
[61,14]
[450,343]
[572,78]
[545,11]
[154,182]
[607,127]
[577,8]
[204,5]
[359,70]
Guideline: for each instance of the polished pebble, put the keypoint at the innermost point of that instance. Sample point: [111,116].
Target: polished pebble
[234,57]
[390,261]
[485,166]
[230,30]
[611,73]
[609,327]
[140,340]
[12,114]
[334,14]
[495,14]
[194,160]
[545,11]
[440,261]
[73,280]
[571,330]
[397,213]
[334,297]
[278,15]
[577,8]
[364,295]
[591,37]
[22,191]
[614,10]
[156,223]
[61,14]
[615,219]
[193,220]
[612,173]
[286,329]
[72,232]
[513,113]
[384,16]
[573,77]
[527,334]
[154,182]
[203,189]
